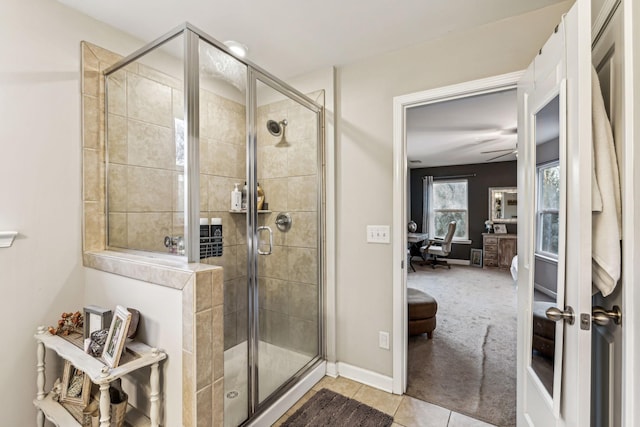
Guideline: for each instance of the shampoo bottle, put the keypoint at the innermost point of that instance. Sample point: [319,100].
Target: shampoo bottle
[236,198]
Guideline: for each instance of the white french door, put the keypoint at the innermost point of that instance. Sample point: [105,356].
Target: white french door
[554,228]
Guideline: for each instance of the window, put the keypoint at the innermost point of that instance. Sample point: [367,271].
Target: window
[449,202]
[548,206]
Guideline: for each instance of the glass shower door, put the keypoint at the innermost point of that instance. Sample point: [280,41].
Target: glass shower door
[288,188]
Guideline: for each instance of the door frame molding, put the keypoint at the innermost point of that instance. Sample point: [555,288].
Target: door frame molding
[400,174]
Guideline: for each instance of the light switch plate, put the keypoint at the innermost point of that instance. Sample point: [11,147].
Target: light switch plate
[378,234]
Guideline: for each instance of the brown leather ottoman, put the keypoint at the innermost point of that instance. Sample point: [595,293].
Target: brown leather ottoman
[422,312]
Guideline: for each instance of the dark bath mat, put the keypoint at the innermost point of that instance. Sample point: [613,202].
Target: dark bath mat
[327,408]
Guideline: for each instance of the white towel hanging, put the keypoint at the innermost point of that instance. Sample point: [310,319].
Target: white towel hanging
[606,205]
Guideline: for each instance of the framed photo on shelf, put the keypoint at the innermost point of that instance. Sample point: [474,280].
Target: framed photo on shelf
[117,336]
[76,386]
[476,257]
[500,228]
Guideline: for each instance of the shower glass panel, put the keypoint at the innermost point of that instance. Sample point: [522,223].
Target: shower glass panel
[187,121]
[145,152]
[288,237]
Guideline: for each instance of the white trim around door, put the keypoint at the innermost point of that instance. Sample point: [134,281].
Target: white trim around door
[399,233]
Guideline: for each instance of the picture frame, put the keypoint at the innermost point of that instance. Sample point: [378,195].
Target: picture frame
[117,336]
[95,319]
[500,228]
[476,257]
[76,386]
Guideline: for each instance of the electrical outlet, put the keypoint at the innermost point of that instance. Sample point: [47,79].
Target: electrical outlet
[378,234]
[383,340]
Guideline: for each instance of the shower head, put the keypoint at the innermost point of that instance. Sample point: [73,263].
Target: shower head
[276,128]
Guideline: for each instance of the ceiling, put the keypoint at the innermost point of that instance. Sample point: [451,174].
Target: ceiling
[475,129]
[291,37]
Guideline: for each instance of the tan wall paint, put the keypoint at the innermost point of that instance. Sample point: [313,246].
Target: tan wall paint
[365,92]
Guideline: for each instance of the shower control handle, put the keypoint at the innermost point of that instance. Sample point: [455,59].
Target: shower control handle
[260,229]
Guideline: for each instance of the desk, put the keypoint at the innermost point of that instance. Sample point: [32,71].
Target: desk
[417,237]
[414,242]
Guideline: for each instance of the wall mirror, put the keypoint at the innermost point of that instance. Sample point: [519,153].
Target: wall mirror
[503,204]
[548,271]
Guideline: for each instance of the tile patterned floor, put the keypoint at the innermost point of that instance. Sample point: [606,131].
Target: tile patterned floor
[406,411]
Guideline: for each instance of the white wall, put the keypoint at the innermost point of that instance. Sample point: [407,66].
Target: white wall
[364,93]
[40,181]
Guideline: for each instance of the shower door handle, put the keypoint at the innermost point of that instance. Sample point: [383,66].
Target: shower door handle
[260,229]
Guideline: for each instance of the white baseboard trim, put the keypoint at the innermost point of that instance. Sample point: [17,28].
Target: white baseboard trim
[367,377]
[332,369]
[282,405]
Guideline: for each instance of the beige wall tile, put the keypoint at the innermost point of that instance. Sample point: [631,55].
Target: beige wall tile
[227,261]
[303,265]
[204,290]
[304,230]
[151,145]
[218,342]
[91,121]
[204,407]
[188,316]
[302,193]
[273,295]
[303,301]
[230,298]
[303,336]
[117,188]
[241,292]
[94,226]
[146,231]
[241,325]
[220,193]
[93,185]
[302,124]
[230,326]
[117,139]
[91,72]
[223,158]
[204,348]
[117,93]
[302,159]
[275,193]
[272,162]
[149,101]
[118,230]
[274,265]
[218,403]
[149,190]
[206,165]
[217,276]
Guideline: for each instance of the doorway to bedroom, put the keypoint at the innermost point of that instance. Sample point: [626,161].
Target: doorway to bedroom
[461,155]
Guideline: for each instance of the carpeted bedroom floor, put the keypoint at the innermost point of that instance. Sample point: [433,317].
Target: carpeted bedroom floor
[470,364]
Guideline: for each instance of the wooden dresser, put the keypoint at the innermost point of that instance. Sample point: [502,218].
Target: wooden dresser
[498,249]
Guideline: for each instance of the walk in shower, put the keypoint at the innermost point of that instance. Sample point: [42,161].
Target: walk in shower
[186,121]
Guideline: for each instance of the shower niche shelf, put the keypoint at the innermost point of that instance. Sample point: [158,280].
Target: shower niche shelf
[244,211]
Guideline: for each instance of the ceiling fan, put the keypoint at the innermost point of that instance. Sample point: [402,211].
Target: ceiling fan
[506,151]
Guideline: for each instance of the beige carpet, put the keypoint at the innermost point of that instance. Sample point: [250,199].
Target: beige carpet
[470,364]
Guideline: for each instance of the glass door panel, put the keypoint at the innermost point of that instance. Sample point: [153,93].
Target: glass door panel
[288,192]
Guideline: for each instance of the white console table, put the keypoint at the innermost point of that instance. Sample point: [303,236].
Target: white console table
[100,374]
